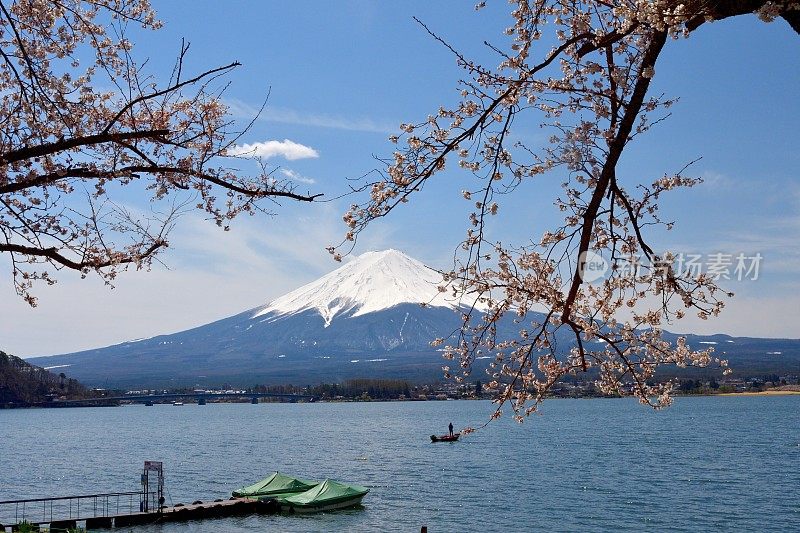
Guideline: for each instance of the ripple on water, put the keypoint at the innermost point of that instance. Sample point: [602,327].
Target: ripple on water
[704,464]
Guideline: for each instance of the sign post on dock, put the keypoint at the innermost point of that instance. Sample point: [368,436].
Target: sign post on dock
[157,468]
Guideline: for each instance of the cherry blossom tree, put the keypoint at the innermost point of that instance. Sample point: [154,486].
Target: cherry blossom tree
[82,124]
[582,70]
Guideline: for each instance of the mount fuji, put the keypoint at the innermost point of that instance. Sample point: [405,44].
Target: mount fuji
[373,282]
[364,319]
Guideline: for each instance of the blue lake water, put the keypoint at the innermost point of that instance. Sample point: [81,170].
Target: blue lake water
[713,463]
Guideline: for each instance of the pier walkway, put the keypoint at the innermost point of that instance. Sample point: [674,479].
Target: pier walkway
[121,509]
[101,511]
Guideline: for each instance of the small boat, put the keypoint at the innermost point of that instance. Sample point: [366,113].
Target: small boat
[445,438]
[277,485]
[326,496]
[177,403]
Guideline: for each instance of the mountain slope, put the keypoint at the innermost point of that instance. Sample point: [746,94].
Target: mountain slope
[362,320]
[22,383]
[296,349]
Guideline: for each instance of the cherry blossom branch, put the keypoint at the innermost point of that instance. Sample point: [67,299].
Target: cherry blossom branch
[63,145]
[610,164]
[591,91]
[54,255]
[62,135]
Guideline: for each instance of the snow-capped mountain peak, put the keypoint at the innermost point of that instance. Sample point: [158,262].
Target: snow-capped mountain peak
[371,282]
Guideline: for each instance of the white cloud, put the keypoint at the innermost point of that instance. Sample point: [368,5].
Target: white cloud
[285,148]
[294,176]
[758,316]
[716,180]
[285,115]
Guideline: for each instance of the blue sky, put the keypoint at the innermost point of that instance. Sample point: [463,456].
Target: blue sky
[343,75]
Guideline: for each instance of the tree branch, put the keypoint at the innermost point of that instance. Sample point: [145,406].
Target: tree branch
[54,255]
[87,173]
[609,167]
[61,145]
[170,89]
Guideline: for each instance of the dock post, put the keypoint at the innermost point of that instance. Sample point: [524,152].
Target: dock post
[62,525]
[99,522]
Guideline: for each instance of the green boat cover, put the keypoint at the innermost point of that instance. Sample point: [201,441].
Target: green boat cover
[327,492]
[274,485]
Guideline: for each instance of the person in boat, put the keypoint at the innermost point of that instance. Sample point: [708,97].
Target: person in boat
[450,427]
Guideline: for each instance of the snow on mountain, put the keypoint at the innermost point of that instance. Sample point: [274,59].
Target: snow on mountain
[371,282]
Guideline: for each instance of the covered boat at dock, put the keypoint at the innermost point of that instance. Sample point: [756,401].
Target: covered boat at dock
[277,485]
[326,496]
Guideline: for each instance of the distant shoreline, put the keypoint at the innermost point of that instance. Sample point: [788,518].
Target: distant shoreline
[760,393]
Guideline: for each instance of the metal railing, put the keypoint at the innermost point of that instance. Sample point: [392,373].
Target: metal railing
[46,510]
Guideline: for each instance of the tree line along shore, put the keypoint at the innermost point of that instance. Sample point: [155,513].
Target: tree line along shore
[26,385]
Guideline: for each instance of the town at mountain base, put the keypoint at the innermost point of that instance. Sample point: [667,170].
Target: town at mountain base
[364,319]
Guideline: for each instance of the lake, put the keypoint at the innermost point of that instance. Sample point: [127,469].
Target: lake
[709,463]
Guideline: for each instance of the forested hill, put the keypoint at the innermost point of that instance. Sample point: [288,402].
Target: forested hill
[24,384]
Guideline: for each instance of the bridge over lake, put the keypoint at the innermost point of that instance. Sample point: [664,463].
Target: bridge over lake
[200,397]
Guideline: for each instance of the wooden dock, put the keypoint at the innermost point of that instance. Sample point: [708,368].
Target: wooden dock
[122,509]
[178,513]
[200,511]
